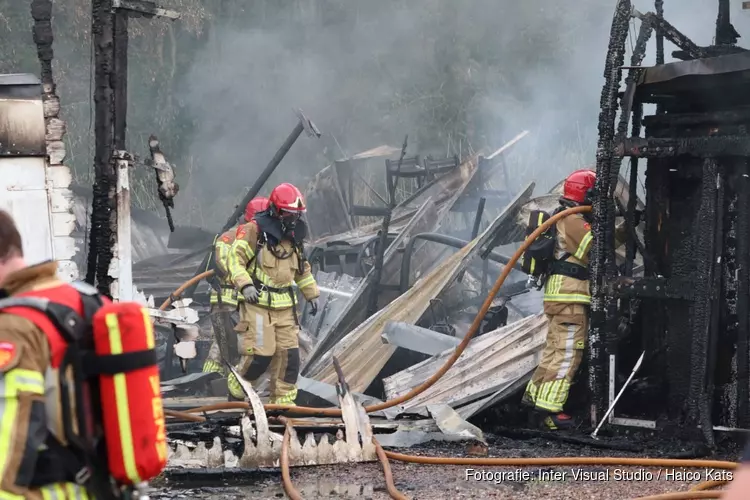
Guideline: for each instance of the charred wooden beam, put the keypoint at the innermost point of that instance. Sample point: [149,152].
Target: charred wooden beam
[672,34]
[736,115]
[699,147]
[603,226]
[144,8]
[704,253]
[742,238]
[103,213]
[120,77]
[725,32]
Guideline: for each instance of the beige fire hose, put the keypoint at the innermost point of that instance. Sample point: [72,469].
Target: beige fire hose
[336,412]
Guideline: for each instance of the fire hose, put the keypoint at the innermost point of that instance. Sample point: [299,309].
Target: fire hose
[336,412]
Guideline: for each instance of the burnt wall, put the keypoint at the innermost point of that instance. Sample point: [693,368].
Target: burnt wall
[695,330]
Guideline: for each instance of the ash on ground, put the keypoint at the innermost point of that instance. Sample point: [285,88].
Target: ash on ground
[426,482]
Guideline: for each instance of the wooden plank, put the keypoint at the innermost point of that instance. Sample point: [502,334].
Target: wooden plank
[362,353]
[490,364]
[356,309]
[418,339]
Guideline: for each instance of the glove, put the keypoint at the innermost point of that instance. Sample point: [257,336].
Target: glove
[251,294]
[314,307]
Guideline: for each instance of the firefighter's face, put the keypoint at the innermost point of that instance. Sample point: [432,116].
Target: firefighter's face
[288,218]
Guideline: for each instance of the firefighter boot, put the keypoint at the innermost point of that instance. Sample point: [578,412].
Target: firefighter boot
[558,421]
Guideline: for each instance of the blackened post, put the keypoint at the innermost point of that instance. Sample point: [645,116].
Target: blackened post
[659,6]
[372,307]
[103,213]
[475,230]
[120,77]
[725,33]
[743,295]
[633,194]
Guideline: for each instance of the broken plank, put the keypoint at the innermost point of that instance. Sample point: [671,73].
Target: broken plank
[490,362]
[362,353]
[418,339]
[356,309]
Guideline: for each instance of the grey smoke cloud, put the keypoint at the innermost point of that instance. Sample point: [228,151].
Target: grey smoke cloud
[369,72]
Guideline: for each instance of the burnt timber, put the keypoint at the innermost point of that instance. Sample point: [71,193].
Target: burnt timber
[690,310]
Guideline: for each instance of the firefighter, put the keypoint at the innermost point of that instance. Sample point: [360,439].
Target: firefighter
[224,296]
[566,302]
[29,413]
[266,260]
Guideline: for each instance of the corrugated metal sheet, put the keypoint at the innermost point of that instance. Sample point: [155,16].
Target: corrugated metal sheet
[490,364]
[361,353]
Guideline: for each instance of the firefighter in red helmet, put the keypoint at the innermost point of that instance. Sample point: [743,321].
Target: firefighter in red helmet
[566,302]
[266,261]
[224,297]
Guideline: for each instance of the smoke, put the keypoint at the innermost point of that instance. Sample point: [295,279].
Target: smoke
[455,76]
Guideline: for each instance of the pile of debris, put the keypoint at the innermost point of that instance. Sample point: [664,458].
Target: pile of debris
[389,314]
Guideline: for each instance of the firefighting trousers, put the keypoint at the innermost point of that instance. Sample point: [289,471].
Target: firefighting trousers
[269,341]
[566,340]
[225,344]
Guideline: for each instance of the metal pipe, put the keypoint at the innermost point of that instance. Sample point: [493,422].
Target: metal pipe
[625,386]
[475,231]
[444,240]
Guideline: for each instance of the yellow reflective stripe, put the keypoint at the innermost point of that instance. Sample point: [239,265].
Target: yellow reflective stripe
[234,387]
[237,270]
[286,399]
[4,495]
[63,491]
[212,367]
[305,281]
[150,343]
[222,256]
[553,395]
[583,247]
[568,297]
[53,492]
[12,383]
[75,491]
[121,396]
[20,380]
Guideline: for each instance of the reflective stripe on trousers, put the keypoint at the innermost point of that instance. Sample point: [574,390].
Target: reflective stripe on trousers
[550,384]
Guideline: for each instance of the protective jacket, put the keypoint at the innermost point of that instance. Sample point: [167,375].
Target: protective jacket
[222,247]
[29,390]
[264,257]
[573,244]
[271,261]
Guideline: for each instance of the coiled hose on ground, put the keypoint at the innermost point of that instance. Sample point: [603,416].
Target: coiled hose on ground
[385,455]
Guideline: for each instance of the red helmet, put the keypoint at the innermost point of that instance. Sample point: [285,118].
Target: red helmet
[578,184]
[256,205]
[287,198]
